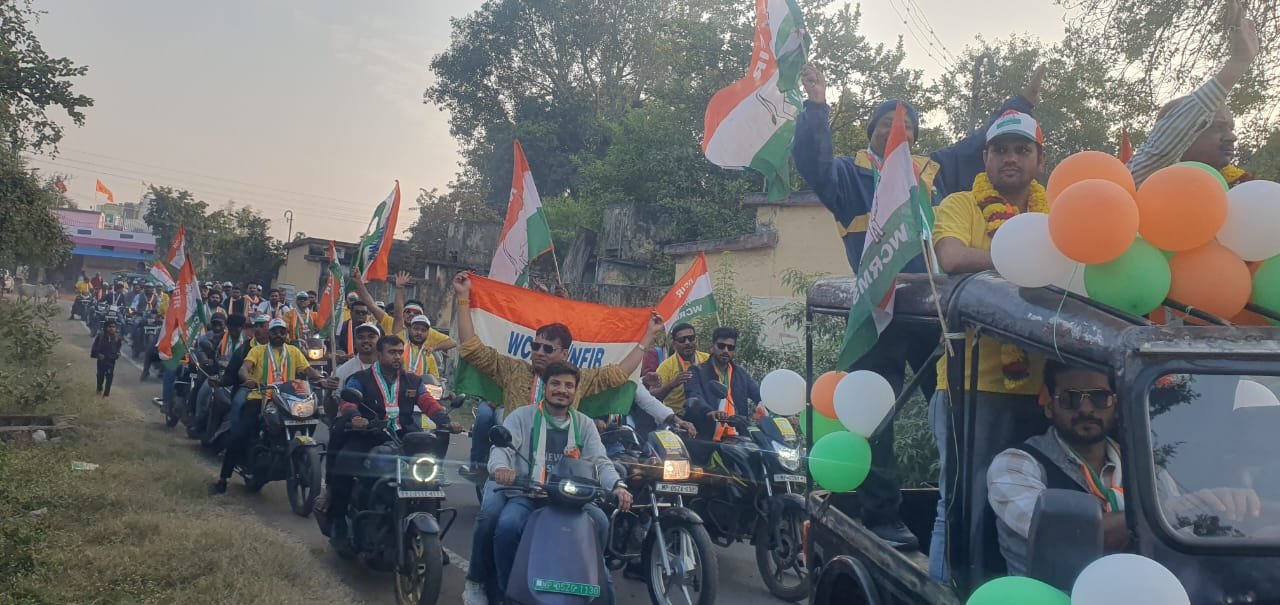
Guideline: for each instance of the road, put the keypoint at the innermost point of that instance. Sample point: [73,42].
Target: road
[740,582]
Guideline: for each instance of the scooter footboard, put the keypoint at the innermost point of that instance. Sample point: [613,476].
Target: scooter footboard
[558,561]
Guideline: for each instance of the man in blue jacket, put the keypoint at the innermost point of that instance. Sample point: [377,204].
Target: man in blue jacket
[846,186]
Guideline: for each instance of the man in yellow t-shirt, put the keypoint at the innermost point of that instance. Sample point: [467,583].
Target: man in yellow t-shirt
[1009,379]
[675,370]
[422,342]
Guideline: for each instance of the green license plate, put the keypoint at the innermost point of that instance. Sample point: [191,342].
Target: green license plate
[569,588]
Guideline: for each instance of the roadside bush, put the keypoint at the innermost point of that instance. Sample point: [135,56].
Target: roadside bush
[27,382]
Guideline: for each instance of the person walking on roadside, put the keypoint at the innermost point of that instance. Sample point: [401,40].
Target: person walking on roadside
[106,349]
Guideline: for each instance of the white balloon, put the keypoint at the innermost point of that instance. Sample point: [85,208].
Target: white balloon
[1252,394]
[783,392]
[1072,278]
[1024,254]
[1253,218]
[863,400]
[1124,579]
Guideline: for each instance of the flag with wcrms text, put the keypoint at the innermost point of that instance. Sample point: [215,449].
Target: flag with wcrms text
[751,123]
[900,213]
[691,296]
[525,232]
[506,316]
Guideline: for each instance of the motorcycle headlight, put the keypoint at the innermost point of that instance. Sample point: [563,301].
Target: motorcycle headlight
[303,409]
[569,488]
[424,469]
[788,457]
[315,354]
[675,470]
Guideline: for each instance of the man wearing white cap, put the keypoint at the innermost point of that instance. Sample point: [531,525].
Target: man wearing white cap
[424,343]
[1009,379]
[276,362]
[366,344]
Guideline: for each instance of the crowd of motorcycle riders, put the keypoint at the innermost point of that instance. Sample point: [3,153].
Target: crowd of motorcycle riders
[358,424]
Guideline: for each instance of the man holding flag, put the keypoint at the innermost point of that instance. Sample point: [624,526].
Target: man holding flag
[854,190]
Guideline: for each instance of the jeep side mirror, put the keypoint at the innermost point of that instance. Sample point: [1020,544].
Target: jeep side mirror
[499,436]
[1065,537]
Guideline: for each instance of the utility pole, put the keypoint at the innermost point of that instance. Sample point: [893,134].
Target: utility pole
[288,217]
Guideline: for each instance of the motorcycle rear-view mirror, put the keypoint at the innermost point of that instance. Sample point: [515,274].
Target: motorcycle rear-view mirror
[499,436]
[352,395]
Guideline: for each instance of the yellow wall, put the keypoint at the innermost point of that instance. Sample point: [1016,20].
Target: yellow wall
[303,274]
[807,241]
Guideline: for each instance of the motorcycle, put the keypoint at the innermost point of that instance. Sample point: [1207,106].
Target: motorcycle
[668,540]
[316,351]
[397,509]
[764,508]
[175,408]
[149,329]
[82,305]
[286,447]
[559,559]
[103,312]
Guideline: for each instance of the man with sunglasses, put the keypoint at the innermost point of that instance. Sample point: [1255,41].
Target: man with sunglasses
[712,414]
[1077,453]
[674,373]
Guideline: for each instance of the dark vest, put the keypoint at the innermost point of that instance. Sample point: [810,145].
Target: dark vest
[1054,476]
[410,386]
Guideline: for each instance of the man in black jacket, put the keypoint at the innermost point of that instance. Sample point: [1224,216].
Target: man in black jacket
[721,419]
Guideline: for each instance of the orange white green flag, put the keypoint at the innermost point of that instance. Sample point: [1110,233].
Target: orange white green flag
[525,234]
[375,247]
[506,316]
[183,321]
[896,233]
[178,249]
[691,296]
[751,123]
[329,309]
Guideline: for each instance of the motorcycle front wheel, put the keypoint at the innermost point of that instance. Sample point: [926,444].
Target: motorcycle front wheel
[694,573]
[780,556]
[419,584]
[304,479]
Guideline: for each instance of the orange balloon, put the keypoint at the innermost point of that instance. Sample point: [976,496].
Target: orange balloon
[823,395]
[1088,165]
[1094,221]
[1181,208]
[1211,278]
[1249,318]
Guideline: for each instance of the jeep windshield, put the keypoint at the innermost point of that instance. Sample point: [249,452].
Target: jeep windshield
[1216,449]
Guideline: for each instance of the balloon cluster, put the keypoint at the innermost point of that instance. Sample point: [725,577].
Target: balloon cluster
[1182,235]
[850,406]
[1119,579]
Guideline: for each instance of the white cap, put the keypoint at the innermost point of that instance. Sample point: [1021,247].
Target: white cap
[370,325]
[1016,123]
[420,319]
[277,323]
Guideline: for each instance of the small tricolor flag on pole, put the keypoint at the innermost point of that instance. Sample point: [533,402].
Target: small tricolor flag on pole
[690,297]
[375,246]
[329,309]
[525,234]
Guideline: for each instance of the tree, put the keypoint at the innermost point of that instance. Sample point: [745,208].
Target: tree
[1176,45]
[240,247]
[172,208]
[32,234]
[1084,104]
[32,84]
[430,230]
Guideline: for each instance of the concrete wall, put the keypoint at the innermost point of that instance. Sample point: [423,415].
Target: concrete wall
[298,271]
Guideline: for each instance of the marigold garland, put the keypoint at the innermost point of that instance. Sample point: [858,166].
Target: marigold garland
[995,210]
[1014,362]
[1235,175]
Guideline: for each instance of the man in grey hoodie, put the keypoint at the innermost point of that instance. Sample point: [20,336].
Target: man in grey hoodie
[544,434]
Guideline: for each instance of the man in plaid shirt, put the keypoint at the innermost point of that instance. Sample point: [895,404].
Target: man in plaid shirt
[1077,454]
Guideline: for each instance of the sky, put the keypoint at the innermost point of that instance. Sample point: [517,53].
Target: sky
[315,106]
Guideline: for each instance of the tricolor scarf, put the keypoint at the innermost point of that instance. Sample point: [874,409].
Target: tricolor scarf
[389,391]
[996,211]
[1110,495]
[538,436]
[415,358]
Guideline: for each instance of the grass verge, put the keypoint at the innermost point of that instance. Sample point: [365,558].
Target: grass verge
[139,528]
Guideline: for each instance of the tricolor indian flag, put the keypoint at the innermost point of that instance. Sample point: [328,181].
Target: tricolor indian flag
[900,216]
[183,321]
[178,249]
[375,246]
[329,308]
[690,297]
[506,316]
[525,233]
[162,275]
[751,123]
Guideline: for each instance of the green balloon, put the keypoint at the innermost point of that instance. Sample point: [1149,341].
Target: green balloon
[840,461]
[1137,282]
[1015,590]
[1266,286]
[822,426]
[1211,170]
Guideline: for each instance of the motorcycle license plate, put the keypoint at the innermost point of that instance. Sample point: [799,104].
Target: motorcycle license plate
[577,589]
[790,478]
[421,493]
[675,488]
[288,422]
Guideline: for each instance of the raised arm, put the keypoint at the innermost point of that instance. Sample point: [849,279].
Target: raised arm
[401,279]
[462,301]
[377,313]
[632,361]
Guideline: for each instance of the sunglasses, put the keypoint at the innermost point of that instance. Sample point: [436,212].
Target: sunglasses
[724,346]
[686,339]
[544,347]
[1072,399]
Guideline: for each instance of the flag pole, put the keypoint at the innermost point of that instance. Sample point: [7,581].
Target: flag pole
[556,261]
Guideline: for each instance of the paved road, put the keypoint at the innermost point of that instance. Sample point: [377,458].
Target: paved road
[740,582]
